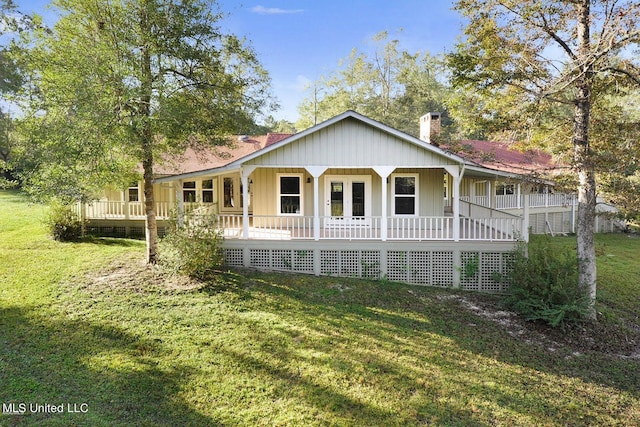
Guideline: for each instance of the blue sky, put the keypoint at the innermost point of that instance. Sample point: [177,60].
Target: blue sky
[298,41]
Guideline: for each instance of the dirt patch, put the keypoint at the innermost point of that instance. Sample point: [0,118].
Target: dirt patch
[618,340]
[138,276]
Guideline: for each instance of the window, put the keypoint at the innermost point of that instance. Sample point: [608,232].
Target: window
[189,191]
[290,194]
[134,195]
[505,189]
[207,191]
[228,193]
[405,194]
[232,193]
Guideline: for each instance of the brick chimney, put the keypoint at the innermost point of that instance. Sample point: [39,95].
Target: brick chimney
[430,127]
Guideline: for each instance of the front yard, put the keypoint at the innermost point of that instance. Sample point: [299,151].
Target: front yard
[88,328]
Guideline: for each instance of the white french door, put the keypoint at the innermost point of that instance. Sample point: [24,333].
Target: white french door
[348,199]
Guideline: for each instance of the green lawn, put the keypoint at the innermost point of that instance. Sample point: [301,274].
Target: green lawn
[88,323]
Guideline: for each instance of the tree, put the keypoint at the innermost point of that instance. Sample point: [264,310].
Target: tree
[557,56]
[388,84]
[12,22]
[120,82]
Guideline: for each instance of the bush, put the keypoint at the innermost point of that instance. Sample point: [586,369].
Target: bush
[544,284]
[63,223]
[193,247]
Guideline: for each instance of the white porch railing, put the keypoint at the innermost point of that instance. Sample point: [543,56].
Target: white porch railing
[490,229]
[420,228]
[264,227]
[548,199]
[512,201]
[122,210]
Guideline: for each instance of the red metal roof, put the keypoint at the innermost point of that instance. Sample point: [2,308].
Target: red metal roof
[495,155]
[214,157]
[505,157]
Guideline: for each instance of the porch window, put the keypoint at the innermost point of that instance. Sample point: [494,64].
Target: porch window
[290,194]
[133,194]
[232,192]
[207,191]
[505,189]
[405,194]
[189,191]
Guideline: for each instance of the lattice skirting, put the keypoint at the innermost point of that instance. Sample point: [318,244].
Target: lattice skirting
[472,270]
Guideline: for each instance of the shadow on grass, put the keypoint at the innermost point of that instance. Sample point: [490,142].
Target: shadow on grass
[71,362]
[111,241]
[401,329]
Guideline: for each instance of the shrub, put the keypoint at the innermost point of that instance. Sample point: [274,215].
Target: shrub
[192,246]
[63,223]
[544,284]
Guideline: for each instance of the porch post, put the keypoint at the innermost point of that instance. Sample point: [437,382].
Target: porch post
[316,208]
[316,172]
[573,213]
[519,195]
[125,198]
[180,198]
[525,218]
[245,171]
[457,172]
[384,172]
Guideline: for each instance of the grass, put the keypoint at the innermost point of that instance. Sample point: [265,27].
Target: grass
[88,323]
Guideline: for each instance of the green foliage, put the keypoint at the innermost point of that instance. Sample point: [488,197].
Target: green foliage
[192,246]
[63,222]
[544,284]
[386,83]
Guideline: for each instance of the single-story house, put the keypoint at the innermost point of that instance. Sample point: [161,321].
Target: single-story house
[354,197]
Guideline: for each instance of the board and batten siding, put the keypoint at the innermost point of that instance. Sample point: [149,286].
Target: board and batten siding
[265,189]
[351,143]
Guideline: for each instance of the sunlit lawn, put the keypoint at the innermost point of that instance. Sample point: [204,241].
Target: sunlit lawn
[276,349]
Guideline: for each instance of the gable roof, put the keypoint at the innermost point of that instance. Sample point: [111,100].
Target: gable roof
[360,118]
[482,157]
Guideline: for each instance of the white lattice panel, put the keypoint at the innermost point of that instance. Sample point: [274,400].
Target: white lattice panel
[329,262]
[420,267]
[491,272]
[470,270]
[260,258]
[303,261]
[281,259]
[442,268]
[370,264]
[397,266]
[233,257]
[349,263]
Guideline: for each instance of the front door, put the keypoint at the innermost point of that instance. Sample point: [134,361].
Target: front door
[348,199]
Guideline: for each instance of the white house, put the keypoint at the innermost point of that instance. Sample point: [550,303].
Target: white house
[350,196]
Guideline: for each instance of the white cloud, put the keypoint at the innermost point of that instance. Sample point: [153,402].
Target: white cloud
[274,10]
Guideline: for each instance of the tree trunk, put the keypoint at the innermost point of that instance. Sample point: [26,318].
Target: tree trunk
[146,140]
[149,205]
[583,164]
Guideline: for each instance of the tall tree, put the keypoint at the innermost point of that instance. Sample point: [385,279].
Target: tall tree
[540,57]
[386,84]
[118,81]
[12,22]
